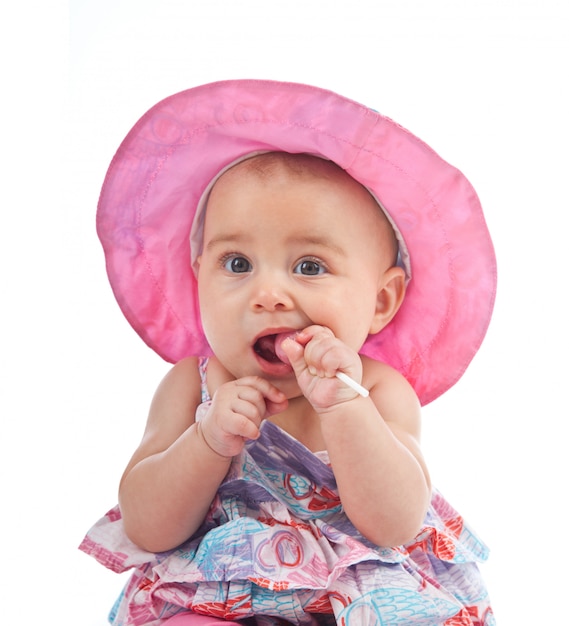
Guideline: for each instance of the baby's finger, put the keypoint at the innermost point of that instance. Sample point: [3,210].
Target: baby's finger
[324,354]
[306,335]
[294,352]
[266,390]
[249,401]
[239,424]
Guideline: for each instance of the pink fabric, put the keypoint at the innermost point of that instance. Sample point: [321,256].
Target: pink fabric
[164,165]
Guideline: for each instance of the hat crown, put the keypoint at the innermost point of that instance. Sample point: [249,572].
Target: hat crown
[165,164]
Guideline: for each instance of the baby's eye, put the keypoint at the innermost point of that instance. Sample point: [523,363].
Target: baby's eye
[309,267]
[237,264]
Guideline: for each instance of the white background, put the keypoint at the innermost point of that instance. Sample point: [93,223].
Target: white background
[484,83]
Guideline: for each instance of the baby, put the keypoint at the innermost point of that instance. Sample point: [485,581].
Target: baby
[280,478]
[292,244]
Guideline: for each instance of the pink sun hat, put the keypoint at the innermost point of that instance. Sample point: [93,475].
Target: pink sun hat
[165,166]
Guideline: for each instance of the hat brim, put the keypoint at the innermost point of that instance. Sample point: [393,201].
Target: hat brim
[160,171]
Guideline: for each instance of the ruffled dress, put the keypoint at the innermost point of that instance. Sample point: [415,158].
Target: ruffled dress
[277,548]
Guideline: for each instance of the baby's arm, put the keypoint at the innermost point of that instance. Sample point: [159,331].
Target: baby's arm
[374,448]
[373,442]
[172,478]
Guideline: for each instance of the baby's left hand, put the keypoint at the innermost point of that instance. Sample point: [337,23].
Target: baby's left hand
[316,355]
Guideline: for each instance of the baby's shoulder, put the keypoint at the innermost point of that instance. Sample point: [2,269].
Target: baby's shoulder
[378,373]
[390,390]
[183,378]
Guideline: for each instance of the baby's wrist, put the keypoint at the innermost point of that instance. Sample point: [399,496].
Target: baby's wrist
[207,446]
[347,405]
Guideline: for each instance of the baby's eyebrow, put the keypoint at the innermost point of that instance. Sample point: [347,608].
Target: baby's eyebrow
[321,241]
[301,239]
[233,238]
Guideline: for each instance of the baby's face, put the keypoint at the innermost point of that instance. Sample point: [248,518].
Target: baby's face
[284,250]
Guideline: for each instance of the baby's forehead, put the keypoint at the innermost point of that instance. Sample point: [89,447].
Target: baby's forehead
[268,168]
[286,169]
[269,165]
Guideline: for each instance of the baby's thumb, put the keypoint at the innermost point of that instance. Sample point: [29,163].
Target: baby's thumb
[272,407]
[290,351]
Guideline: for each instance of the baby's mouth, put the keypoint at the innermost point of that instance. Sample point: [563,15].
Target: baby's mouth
[269,348]
[265,348]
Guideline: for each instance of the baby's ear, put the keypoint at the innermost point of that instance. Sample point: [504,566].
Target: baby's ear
[390,294]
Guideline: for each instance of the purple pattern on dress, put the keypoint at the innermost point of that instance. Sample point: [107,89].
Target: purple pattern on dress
[276,544]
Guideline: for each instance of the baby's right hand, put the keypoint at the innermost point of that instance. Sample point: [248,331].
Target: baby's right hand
[236,412]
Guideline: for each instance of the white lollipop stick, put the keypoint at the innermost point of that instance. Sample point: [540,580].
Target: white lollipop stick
[352,384]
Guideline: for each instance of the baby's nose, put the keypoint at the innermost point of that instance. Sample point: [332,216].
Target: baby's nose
[271,294]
